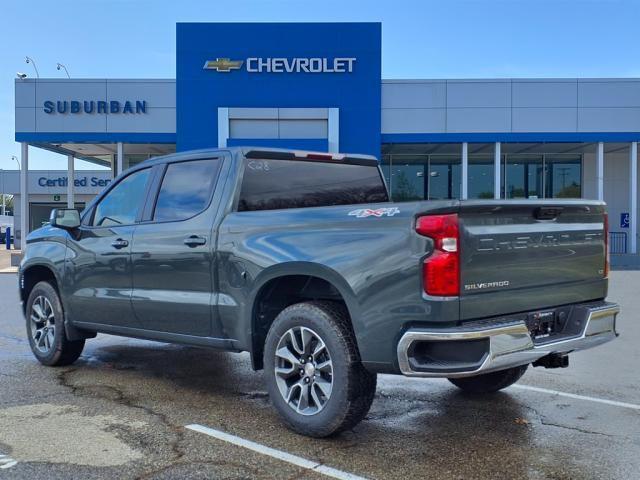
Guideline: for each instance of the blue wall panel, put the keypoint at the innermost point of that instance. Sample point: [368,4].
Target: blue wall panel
[200,92]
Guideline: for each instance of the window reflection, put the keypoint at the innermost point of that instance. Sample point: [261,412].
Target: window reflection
[563,176]
[523,176]
[186,189]
[436,174]
[480,183]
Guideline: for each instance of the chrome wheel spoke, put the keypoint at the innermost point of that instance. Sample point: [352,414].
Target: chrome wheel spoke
[307,337]
[286,372]
[37,309]
[325,386]
[291,394]
[42,334]
[303,370]
[319,348]
[50,337]
[316,398]
[325,367]
[295,342]
[303,402]
[285,354]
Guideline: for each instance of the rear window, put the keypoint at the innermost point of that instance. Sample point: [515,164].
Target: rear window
[278,184]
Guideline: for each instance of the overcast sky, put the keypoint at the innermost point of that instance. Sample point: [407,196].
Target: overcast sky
[421,39]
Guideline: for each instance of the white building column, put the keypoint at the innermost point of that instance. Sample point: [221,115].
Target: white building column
[24,194]
[600,171]
[464,174]
[119,158]
[70,181]
[223,127]
[633,197]
[333,127]
[496,171]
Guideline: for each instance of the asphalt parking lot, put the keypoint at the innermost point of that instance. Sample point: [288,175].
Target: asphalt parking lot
[123,409]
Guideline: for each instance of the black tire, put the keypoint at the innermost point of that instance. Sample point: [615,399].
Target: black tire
[490,382]
[353,387]
[60,351]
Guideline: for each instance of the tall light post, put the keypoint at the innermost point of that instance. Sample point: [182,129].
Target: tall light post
[62,66]
[3,204]
[19,168]
[30,60]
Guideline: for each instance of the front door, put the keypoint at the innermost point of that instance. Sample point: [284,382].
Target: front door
[173,252]
[99,269]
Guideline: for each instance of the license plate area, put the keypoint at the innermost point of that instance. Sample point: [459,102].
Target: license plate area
[550,325]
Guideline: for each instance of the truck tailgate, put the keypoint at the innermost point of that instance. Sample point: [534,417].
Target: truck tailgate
[523,255]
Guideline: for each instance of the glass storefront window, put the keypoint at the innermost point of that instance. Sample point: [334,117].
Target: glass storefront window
[408,177]
[563,177]
[523,176]
[432,171]
[480,182]
[444,177]
[422,171]
[542,176]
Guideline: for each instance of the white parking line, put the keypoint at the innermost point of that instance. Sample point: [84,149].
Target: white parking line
[272,452]
[604,401]
[6,462]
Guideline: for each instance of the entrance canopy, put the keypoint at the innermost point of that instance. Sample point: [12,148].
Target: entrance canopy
[105,154]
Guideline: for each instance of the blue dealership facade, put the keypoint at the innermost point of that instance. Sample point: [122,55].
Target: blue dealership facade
[318,86]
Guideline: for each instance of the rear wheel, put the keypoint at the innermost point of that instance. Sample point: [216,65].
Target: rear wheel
[45,328]
[313,371]
[490,382]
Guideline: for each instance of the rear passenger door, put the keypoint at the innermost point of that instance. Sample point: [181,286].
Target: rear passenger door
[173,250]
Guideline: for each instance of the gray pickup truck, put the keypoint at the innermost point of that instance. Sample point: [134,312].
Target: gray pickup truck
[300,259]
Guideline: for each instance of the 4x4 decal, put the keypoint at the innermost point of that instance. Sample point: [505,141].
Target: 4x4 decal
[378,212]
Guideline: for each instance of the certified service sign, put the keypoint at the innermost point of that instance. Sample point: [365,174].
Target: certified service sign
[284,65]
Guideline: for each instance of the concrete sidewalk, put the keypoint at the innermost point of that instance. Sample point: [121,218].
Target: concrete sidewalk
[9,260]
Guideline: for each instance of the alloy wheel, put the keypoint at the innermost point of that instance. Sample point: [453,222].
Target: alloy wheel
[43,324]
[303,370]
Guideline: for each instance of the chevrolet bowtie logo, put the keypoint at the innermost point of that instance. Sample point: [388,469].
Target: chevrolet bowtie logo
[223,64]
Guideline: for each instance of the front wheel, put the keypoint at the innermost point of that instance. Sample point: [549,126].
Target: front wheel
[313,371]
[45,328]
[490,382]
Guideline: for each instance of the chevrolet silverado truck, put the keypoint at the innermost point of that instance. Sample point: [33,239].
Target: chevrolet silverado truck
[302,260]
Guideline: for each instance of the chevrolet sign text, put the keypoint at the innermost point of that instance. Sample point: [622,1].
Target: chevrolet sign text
[284,65]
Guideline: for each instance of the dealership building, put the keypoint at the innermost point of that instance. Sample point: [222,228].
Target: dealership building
[318,86]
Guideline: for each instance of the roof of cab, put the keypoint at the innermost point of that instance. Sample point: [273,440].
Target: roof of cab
[270,153]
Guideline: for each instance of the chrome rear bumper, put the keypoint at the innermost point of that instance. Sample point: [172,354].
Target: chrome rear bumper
[505,344]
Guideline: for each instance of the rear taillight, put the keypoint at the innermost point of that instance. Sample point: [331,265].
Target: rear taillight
[441,270]
[606,245]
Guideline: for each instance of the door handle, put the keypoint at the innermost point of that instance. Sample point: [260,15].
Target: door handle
[194,241]
[119,243]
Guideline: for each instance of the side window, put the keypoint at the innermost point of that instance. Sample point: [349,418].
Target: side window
[186,189]
[120,205]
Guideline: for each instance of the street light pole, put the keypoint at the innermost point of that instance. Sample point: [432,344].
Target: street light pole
[17,161]
[3,204]
[30,60]
[62,66]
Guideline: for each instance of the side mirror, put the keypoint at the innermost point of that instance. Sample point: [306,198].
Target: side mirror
[66,218]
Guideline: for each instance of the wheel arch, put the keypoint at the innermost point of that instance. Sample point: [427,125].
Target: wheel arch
[286,284]
[33,273]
